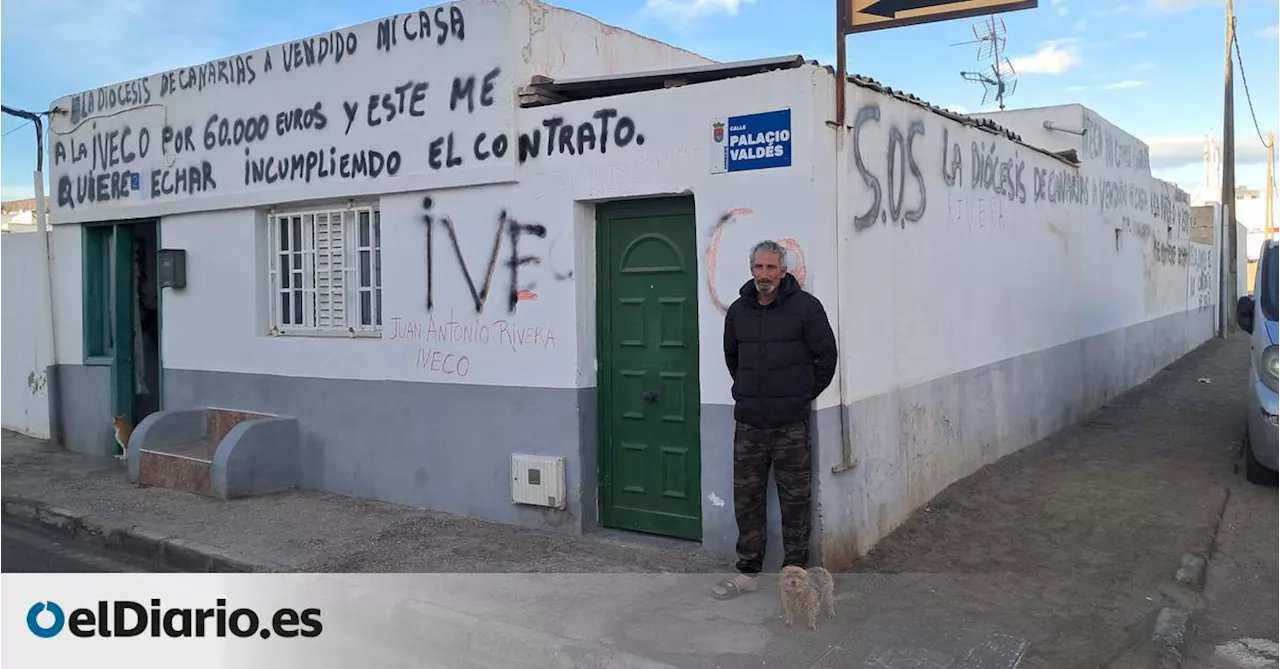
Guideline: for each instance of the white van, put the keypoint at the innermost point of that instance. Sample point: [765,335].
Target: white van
[1257,316]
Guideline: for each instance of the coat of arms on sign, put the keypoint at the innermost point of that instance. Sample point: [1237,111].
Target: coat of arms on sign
[717,131]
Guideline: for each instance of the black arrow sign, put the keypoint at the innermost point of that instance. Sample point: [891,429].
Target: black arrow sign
[888,8]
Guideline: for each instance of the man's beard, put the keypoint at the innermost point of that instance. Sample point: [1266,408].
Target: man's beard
[765,288]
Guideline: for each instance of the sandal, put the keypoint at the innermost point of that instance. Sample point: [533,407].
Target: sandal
[729,589]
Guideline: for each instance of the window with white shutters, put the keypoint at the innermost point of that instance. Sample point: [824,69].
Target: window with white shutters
[326,271]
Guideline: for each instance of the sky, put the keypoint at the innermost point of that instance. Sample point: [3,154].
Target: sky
[1152,67]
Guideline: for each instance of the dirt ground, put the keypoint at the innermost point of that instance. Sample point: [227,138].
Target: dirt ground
[1094,519]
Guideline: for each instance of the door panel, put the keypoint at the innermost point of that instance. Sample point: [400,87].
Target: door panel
[650,404]
[122,299]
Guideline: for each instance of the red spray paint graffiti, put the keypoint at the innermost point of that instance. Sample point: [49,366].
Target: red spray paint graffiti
[795,255]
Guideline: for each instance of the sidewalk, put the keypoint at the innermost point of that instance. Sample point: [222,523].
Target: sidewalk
[1061,555]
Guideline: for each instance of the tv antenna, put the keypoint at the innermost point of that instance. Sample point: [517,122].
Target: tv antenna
[998,80]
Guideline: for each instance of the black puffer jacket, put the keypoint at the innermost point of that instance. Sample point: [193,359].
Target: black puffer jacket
[781,355]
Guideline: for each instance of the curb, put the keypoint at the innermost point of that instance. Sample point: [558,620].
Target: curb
[1191,570]
[1170,636]
[176,553]
[1170,629]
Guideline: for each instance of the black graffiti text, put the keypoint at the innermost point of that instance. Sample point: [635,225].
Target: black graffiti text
[220,131]
[1116,150]
[1060,186]
[442,145]
[125,94]
[320,164]
[1168,253]
[1000,176]
[483,148]
[314,51]
[234,71]
[183,180]
[899,160]
[177,139]
[465,89]
[445,22]
[301,119]
[952,171]
[99,187]
[110,149]
[384,107]
[568,138]
[480,293]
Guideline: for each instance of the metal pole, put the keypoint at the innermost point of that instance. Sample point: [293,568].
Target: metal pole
[842,70]
[847,458]
[46,286]
[1229,180]
[1270,220]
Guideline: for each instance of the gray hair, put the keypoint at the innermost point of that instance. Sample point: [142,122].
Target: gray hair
[769,246]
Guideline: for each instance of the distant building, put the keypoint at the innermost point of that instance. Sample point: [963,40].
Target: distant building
[18,215]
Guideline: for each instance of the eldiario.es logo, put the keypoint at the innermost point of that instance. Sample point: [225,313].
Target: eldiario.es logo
[125,618]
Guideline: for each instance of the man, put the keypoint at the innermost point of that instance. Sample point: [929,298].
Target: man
[781,355]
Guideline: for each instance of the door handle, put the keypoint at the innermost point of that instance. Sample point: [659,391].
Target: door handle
[650,397]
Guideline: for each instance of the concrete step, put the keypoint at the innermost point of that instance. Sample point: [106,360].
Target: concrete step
[187,466]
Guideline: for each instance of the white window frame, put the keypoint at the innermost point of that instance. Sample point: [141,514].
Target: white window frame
[342,287]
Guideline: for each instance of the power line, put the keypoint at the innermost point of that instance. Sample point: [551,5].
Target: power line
[13,130]
[1248,98]
[32,117]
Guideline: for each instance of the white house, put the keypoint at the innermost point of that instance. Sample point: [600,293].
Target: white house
[428,243]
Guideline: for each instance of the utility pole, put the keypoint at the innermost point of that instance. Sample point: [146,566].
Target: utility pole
[842,67]
[45,289]
[1229,273]
[1270,220]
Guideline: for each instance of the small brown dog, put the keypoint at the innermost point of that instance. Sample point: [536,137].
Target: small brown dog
[804,591]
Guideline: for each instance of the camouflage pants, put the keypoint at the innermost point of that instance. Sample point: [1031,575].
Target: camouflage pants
[786,448]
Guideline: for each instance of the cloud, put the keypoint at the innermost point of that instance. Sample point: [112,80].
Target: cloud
[1175,151]
[1271,32]
[1130,83]
[1142,67]
[1081,25]
[1141,34]
[1061,7]
[1053,57]
[681,13]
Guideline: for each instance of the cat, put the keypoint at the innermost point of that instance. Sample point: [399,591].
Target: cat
[123,430]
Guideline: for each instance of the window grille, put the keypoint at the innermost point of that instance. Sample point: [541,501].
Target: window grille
[326,271]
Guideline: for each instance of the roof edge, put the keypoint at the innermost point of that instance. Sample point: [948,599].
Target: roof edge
[1068,157]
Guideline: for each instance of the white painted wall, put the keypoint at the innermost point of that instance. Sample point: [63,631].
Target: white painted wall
[67,246]
[549,339]
[965,250]
[564,44]
[207,137]
[542,343]
[27,350]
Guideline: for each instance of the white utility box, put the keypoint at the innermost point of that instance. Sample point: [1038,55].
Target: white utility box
[537,479]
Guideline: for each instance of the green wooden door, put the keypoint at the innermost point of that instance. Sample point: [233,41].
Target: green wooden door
[650,454]
[122,296]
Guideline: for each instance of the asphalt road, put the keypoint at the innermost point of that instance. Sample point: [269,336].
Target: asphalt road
[24,549]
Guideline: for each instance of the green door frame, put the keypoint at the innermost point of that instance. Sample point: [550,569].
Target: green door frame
[605,212]
[108,304]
